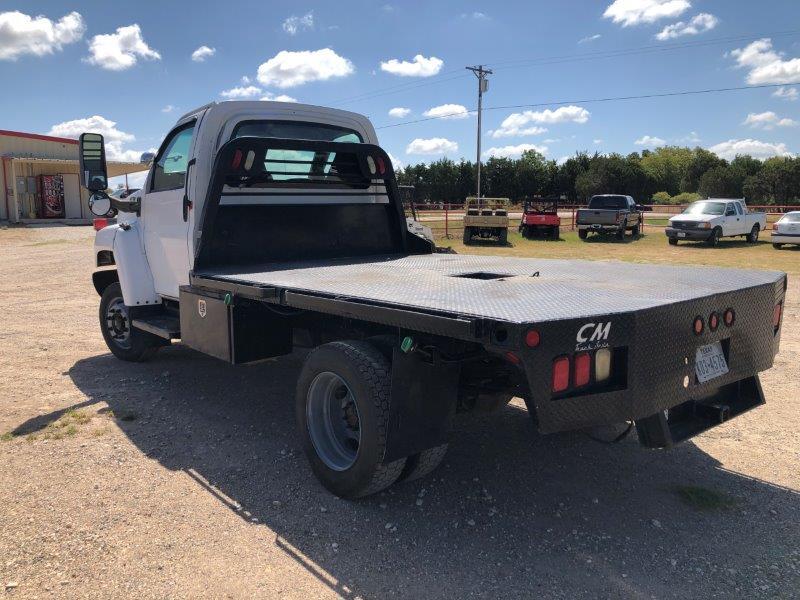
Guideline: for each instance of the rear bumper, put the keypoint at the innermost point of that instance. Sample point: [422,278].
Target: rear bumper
[600,227]
[653,364]
[688,234]
[785,239]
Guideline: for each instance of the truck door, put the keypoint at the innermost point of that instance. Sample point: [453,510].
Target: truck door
[165,231]
[732,224]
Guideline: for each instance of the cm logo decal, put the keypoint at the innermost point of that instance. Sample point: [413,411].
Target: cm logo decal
[201,308]
[593,335]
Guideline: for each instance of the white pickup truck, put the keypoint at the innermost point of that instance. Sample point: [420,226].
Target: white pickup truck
[713,219]
[267,226]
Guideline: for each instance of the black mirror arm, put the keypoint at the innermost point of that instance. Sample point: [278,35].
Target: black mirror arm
[128,205]
[187,204]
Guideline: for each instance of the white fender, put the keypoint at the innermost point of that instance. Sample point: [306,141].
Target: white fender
[133,270]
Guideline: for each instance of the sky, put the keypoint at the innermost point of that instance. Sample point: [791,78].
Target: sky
[130,69]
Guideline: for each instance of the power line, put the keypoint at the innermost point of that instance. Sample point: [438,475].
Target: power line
[560,59]
[597,100]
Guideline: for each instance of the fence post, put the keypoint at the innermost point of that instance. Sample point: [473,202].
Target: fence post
[446,216]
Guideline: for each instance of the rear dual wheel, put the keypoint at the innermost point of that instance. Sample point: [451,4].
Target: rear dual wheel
[342,412]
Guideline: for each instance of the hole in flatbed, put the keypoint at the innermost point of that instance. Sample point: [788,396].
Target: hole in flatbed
[484,275]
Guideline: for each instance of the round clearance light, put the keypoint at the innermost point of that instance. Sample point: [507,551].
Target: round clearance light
[532,338]
[729,317]
[698,325]
[371,165]
[713,321]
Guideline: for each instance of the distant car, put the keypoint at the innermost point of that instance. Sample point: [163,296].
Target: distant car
[610,213]
[787,230]
[715,218]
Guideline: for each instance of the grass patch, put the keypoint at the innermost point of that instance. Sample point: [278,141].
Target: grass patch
[66,426]
[6,437]
[703,498]
[649,248]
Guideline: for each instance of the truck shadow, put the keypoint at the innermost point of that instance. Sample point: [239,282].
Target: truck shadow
[509,510]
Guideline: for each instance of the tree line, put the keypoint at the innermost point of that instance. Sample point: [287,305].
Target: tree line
[667,175]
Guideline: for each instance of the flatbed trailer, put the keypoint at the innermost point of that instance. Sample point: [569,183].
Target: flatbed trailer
[403,338]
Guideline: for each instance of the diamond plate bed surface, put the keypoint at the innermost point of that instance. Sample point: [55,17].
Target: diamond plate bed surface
[563,289]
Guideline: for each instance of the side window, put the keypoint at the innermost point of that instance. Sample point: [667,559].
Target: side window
[739,209]
[170,164]
[729,210]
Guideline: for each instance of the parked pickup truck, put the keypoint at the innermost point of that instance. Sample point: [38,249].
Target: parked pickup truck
[217,252]
[710,220]
[610,213]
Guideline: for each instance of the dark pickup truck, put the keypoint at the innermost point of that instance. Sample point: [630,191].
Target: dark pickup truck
[610,213]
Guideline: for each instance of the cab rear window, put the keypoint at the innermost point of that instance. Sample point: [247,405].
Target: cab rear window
[296,165]
[608,202]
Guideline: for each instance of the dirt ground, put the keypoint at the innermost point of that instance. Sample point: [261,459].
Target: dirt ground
[184,477]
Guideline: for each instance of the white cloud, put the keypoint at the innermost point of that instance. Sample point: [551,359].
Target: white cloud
[765,64]
[692,138]
[168,108]
[22,34]
[289,69]
[520,123]
[697,25]
[448,111]
[270,97]
[115,139]
[637,12]
[787,93]
[597,141]
[121,50]
[294,24]
[478,16]
[241,92]
[399,112]
[590,38]
[513,151]
[431,146]
[650,140]
[419,67]
[396,162]
[755,148]
[768,120]
[202,53]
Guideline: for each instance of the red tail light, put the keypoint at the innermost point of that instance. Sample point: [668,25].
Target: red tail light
[713,321]
[776,315]
[381,166]
[532,338]
[561,374]
[698,325]
[729,317]
[100,224]
[237,159]
[583,369]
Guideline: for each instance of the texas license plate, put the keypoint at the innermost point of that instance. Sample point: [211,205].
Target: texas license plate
[681,234]
[710,362]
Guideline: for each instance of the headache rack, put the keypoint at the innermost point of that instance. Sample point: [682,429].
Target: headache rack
[322,199]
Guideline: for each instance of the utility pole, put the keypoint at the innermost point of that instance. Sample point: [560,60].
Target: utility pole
[483,85]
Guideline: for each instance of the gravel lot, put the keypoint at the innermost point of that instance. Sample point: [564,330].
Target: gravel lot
[184,477]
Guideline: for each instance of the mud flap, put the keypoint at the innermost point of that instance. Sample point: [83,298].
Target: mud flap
[667,428]
[422,404]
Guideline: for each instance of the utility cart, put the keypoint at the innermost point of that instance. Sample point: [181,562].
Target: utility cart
[540,219]
[217,252]
[486,219]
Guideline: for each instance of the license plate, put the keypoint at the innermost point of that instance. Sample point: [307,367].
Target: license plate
[710,362]
[681,234]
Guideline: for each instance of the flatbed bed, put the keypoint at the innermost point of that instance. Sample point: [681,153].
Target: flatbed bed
[516,290]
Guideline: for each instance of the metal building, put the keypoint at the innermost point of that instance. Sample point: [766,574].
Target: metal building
[41,172]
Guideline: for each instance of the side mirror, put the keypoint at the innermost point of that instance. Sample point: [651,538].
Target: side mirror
[146,158]
[92,158]
[100,205]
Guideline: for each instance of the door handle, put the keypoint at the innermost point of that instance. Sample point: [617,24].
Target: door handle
[187,204]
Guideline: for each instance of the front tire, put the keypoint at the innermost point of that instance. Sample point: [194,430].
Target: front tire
[124,341]
[583,233]
[673,241]
[342,412]
[714,238]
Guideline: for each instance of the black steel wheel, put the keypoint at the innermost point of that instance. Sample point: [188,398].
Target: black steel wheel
[752,237]
[342,412]
[125,342]
[713,239]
